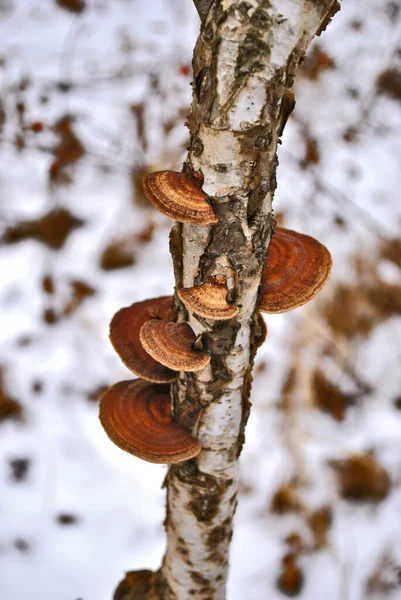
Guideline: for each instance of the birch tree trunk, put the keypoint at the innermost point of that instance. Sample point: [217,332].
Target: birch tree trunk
[244,64]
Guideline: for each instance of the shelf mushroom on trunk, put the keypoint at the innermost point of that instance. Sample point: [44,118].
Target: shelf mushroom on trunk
[172,345]
[297,268]
[136,416]
[179,196]
[124,335]
[209,300]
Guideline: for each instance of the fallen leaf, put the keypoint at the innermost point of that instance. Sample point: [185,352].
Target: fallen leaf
[52,229]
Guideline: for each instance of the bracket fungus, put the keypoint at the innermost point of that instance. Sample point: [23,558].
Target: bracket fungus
[124,335]
[171,344]
[298,267]
[136,415]
[209,300]
[179,196]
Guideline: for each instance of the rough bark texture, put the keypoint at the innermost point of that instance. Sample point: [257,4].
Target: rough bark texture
[244,64]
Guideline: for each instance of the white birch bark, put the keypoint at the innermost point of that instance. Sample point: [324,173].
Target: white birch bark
[244,63]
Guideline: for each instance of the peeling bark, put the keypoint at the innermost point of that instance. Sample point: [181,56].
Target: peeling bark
[244,64]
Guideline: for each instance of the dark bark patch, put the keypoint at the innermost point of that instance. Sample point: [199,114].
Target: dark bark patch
[199,578]
[219,15]
[252,48]
[197,146]
[246,404]
[206,490]
[204,506]
[219,534]
[222,338]
[332,11]
[221,374]
[226,237]
[287,106]
[187,413]
[260,19]
[203,83]
[203,6]
[244,7]
[208,32]
[263,142]
[176,252]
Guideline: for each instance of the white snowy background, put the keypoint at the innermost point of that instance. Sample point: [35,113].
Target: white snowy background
[75,511]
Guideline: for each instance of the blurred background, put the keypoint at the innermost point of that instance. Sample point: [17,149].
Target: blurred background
[94,94]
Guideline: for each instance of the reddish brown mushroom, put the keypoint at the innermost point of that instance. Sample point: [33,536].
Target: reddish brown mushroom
[136,415]
[171,344]
[297,268]
[209,299]
[179,196]
[124,335]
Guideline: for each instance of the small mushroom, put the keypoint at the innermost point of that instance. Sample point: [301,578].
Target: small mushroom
[136,415]
[209,299]
[298,267]
[171,344]
[124,335]
[179,196]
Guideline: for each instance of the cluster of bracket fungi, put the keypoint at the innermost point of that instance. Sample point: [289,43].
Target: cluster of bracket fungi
[136,414]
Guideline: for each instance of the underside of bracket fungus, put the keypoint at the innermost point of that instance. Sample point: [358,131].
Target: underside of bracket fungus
[124,335]
[179,196]
[298,266]
[171,344]
[136,415]
[209,300]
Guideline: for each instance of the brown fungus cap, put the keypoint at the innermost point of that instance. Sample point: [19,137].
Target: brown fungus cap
[124,335]
[179,196]
[297,268]
[171,344]
[136,415]
[209,299]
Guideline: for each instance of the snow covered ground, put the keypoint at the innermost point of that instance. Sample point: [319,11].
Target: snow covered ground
[89,101]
